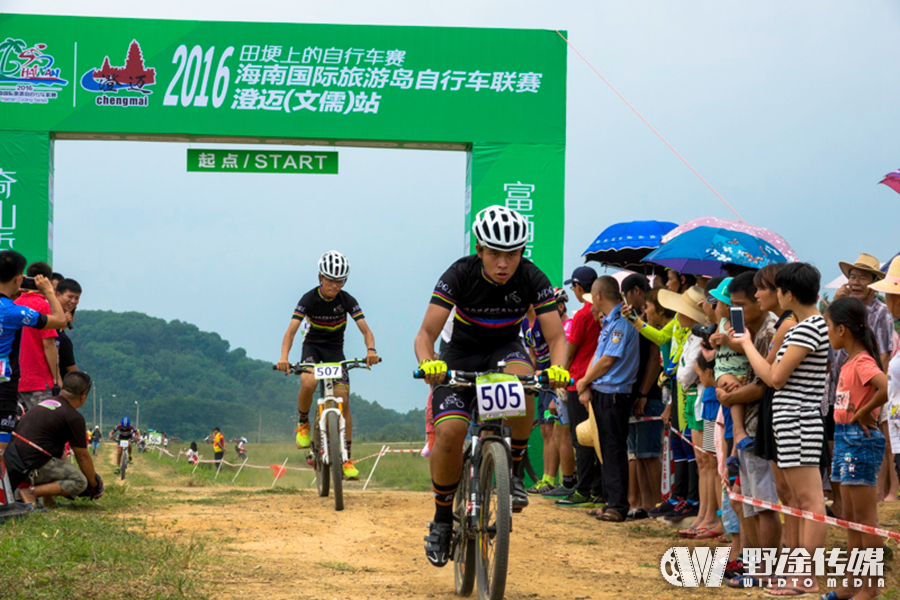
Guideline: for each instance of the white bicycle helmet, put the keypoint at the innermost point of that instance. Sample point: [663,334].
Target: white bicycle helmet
[334,265]
[500,228]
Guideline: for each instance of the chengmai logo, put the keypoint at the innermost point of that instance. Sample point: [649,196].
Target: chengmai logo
[684,568]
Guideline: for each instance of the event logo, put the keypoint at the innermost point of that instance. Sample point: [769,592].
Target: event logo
[132,79]
[23,68]
[685,568]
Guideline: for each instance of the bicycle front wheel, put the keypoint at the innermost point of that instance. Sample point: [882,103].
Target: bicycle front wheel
[124,464]
[496,522]
[463,538]
[333,425]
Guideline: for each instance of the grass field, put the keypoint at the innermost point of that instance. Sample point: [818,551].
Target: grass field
[98,550]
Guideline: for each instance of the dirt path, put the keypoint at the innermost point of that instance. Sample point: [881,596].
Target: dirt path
[292,544]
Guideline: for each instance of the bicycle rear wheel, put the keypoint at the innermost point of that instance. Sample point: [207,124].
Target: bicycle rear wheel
[333,425]
[323,476]
[124,464]
[496,522]
[463,538]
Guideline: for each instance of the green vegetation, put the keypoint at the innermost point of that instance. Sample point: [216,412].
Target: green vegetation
[94,550]
[188,381]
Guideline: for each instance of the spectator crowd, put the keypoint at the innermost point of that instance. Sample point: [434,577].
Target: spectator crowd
[41,390]
[789,405]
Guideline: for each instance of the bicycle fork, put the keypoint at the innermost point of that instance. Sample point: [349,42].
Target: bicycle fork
[342,430]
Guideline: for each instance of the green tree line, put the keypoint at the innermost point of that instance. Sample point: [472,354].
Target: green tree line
[188,381]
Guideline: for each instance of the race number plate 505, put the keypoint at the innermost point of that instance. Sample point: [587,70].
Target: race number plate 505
[123,443]
[327,371]
[500,395]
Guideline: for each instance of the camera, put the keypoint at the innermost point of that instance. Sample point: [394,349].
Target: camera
[28,284]
[703,332]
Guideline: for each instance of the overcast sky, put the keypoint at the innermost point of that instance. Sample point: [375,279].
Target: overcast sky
[788,109]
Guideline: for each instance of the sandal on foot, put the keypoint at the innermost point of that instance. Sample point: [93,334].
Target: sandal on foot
[709,534]
[611,515]
[595,512]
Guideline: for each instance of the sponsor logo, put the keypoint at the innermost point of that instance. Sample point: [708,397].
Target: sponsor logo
[513,298]
[27,73]
[127,85]
[452,401]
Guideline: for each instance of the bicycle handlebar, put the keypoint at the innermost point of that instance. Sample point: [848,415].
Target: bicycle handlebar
[301,367]
[468,377]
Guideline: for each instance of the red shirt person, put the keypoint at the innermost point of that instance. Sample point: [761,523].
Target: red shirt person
[582,338]
[38,357]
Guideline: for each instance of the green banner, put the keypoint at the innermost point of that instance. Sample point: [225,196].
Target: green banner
[427,85]
[498,93]
[261,161]
[529,179]
[26,201]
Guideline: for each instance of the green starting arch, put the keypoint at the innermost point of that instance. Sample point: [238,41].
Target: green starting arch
[497,94]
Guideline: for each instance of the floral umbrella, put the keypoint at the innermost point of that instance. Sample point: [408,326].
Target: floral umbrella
[705,250]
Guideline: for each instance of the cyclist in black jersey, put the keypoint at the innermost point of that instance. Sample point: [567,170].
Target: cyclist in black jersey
[491,292]
[123,431]
[326,309]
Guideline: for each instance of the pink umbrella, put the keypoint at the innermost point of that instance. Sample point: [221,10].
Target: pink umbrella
[761,232]
[892,180]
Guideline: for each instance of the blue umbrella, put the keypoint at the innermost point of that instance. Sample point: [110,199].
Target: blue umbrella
[624,245]
[705,250]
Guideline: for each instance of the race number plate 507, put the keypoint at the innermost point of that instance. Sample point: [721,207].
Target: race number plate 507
[500,395]
[327,371]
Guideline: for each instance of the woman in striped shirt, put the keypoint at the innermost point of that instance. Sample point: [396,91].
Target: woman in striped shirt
[798,376]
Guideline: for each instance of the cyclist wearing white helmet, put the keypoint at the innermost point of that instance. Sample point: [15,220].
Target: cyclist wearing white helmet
[326,308]
[491,292]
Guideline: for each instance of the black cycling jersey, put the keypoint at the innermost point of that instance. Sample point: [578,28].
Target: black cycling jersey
[124,433]
[327,318]
[488,314]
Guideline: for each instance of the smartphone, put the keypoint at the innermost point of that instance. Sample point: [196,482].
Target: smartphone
[28,283]
[737,321]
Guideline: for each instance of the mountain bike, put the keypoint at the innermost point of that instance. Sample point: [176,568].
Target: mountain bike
[482,507]
[328,437]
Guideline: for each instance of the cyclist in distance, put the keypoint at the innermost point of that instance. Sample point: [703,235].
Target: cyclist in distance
[326,309]
[123,431]
[491,292]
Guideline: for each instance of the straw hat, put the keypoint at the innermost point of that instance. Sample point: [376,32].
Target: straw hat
[865,262]
[587,433]
[687,304]
[891,283]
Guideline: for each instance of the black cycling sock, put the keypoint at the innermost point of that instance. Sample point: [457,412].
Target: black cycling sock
[443,501]
[303,418]
[517,449]
[347,445]
[569,481]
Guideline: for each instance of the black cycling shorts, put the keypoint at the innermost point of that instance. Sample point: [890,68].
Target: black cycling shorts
[323,354]
[450,403]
